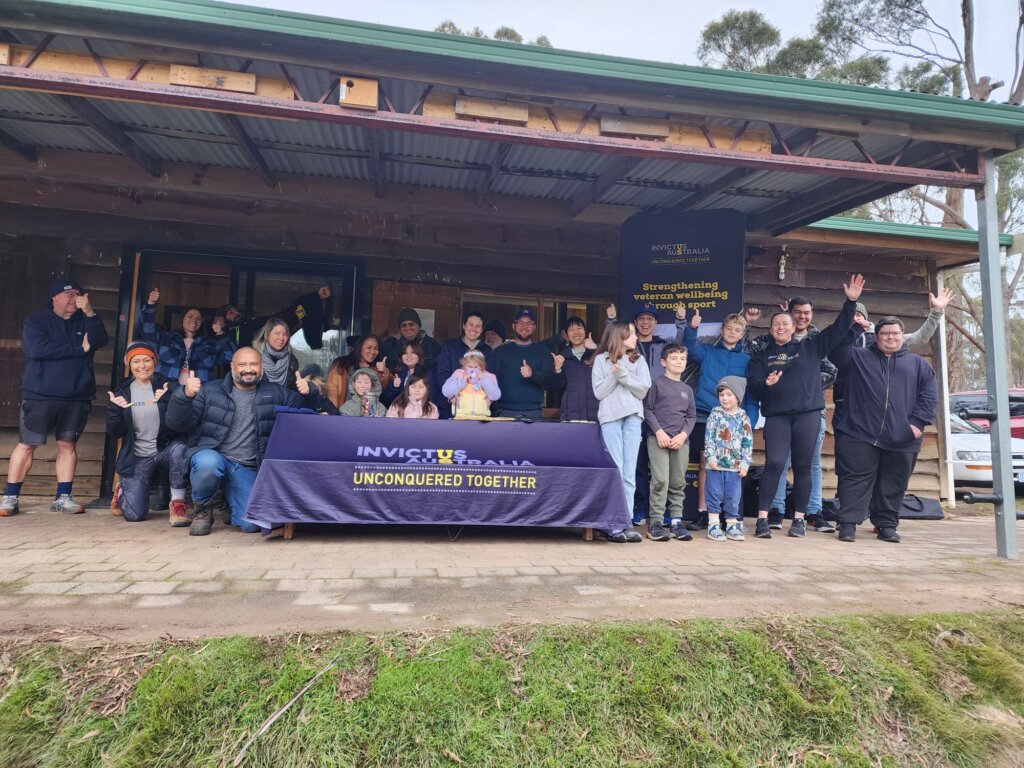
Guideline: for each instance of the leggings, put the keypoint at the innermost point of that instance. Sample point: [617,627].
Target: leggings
[796,434]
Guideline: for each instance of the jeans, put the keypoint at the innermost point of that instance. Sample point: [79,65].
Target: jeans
[723,492]
[135,489]
[210,470]
[814,505]
[622,439]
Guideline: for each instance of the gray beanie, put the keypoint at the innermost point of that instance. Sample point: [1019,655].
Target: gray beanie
[409,314]
[736,384]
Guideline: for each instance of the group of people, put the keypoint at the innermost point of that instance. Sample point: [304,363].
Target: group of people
[211,434]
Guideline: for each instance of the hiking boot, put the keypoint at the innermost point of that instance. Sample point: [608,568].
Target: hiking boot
[9,506]
[700,523]
[679,532]
[180,515]
[847,532]
[763,528]
[775,519]
[715,533]
[735,533]
[656,532]
[797,529]
[820,524]
[67,504]
[220,504]
[202,518]
[889,535]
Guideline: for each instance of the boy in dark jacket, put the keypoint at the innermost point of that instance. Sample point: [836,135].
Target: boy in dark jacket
[669,412]
[57,389]
[891,397]
[229,423]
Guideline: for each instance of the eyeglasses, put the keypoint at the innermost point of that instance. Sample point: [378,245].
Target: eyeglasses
[889,333]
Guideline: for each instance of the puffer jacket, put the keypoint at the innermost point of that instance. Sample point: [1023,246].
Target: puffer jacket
[121,426]
[353,406]
[207,417]
[203,357]
[578,401]
[716,361]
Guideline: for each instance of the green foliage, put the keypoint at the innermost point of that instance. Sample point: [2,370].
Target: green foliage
[852,691]
[742,40]
[928,77]
[505,33]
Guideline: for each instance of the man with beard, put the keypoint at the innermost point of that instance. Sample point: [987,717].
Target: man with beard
[228,423]
[524,369]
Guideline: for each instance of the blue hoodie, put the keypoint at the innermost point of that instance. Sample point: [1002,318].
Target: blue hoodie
[56,367]
[717,361]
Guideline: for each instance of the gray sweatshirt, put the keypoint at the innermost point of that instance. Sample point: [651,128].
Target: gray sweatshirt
[621,392]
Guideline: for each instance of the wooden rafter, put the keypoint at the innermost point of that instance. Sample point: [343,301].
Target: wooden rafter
[374,163]
[501,153]
[112,133]
[619,167]
[245,143]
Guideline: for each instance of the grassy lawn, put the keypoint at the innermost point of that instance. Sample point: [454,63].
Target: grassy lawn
[866,691]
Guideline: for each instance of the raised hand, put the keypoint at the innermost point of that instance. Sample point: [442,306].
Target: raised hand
[161,392]
[324,292]
[85,344]
[397,382]
[752,314]
[382,366]
[301,384]
[525,370]
[940,302]
[773,378]
[695,320]
[218,325]
[82,302]
[612,312]
[588,343]
[680,311]
[192,385]
[118,400]
[854,288]
[863,322]
[154,296]
[559,361]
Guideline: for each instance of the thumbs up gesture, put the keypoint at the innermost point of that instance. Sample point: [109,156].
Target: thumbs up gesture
[82,303]
[525,370]
[192,385]
[680,311]
[154,296]
[589,343]
[695,320]
[559,361]
[301,384]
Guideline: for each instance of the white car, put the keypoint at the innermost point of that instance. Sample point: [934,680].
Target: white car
[972,453]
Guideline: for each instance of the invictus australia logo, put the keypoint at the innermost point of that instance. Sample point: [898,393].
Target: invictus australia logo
[679,249]
[415,455]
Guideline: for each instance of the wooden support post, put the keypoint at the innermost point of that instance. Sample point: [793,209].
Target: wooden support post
[289,531]
[588,534]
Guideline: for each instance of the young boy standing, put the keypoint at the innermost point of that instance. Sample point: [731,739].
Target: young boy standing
[670,412]
[728,445]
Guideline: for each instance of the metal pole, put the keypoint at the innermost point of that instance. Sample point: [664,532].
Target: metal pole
[996,366]
[944,400]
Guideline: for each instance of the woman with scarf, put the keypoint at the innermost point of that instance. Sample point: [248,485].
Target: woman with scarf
[273,342]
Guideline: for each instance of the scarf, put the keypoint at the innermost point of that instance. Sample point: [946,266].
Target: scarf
[276,364]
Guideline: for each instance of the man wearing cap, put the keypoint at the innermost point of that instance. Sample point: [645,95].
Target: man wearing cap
[57,389]
[494,334]
[410,330]
[453,350]
[891,397]
[524,369]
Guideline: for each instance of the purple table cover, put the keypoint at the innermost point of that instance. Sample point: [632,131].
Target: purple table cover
[324,469]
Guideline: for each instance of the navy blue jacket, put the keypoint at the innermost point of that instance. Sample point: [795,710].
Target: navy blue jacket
[578,401]
[207,417]
[884,396]
[447,363]
[120,424]
[56,368]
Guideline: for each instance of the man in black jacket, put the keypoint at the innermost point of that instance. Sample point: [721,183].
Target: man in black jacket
[229,423]
[891,397]
[57,389]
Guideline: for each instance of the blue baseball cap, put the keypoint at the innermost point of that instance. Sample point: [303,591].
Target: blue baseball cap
[524,312]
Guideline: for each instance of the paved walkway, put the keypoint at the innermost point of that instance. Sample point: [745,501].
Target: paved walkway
[99,574]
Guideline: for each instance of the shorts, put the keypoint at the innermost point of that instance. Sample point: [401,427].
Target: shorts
[65,418]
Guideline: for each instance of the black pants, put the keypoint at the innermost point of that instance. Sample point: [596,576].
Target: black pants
[872,481]
[782,434]
[642,495]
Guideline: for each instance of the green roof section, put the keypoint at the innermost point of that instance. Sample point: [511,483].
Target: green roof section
[923,232]
[822,95]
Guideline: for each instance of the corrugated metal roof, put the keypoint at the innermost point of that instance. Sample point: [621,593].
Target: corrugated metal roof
[56,136]
[149,115]
[266,24]
[177,150]
[891,229]
[316,165]
[33,103]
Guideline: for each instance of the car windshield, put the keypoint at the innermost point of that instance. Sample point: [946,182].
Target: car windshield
[959,426]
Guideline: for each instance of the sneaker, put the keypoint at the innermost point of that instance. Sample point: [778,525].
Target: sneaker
[889,535]
[679,532]
[763,528]
[775,519]
[797,529]
[655,532]
[715,533]
[632,537]
[735,533]
[67,504]
[820,524]
[628,536]
[700,523]
[847,532]
[9,506]
[639,518]
[180,515]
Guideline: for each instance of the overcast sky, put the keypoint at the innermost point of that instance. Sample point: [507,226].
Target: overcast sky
[659,30]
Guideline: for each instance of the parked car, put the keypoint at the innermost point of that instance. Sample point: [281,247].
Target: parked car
[972,453]
[967,405]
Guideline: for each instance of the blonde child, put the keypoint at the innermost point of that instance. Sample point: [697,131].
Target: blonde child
[471,388]
[728,445]
[413,402]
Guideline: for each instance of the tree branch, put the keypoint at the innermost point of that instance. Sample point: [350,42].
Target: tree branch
[971,309]
[954,214]
[1016,279]
[967,15]
[952,321]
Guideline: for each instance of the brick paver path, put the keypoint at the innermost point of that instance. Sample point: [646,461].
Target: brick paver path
[121,580]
